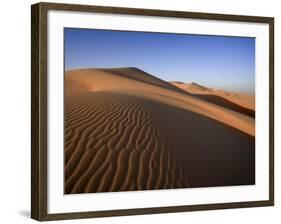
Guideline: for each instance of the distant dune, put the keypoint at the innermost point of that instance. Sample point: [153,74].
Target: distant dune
[128,130]
[242,103]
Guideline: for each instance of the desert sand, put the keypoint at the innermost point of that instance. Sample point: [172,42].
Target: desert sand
[128,130]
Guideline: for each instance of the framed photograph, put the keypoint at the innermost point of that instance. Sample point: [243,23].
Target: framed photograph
[140,111]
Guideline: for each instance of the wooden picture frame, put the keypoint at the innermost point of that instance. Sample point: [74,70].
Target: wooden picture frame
[39,110]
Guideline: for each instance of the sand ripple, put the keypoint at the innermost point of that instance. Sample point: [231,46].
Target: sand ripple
[113,143]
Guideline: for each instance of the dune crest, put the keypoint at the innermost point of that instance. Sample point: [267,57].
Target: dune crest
[108,80]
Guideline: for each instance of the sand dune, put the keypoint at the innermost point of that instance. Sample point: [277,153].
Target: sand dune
[244,103]
[114,144]
[101,80]
[222,101]
[128,130]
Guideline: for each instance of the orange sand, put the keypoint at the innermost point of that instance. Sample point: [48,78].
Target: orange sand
[128,130]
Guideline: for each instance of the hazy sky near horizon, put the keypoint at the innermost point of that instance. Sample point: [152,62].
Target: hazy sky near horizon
[213,61]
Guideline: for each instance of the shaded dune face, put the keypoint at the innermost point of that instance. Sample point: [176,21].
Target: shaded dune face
[121,136]
[212,153]
[139,75]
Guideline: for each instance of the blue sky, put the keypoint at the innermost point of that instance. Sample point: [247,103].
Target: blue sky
[213,61]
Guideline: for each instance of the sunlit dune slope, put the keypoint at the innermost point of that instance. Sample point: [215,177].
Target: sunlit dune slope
[103,80]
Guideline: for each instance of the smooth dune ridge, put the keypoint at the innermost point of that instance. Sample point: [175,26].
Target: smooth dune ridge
[128,130]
